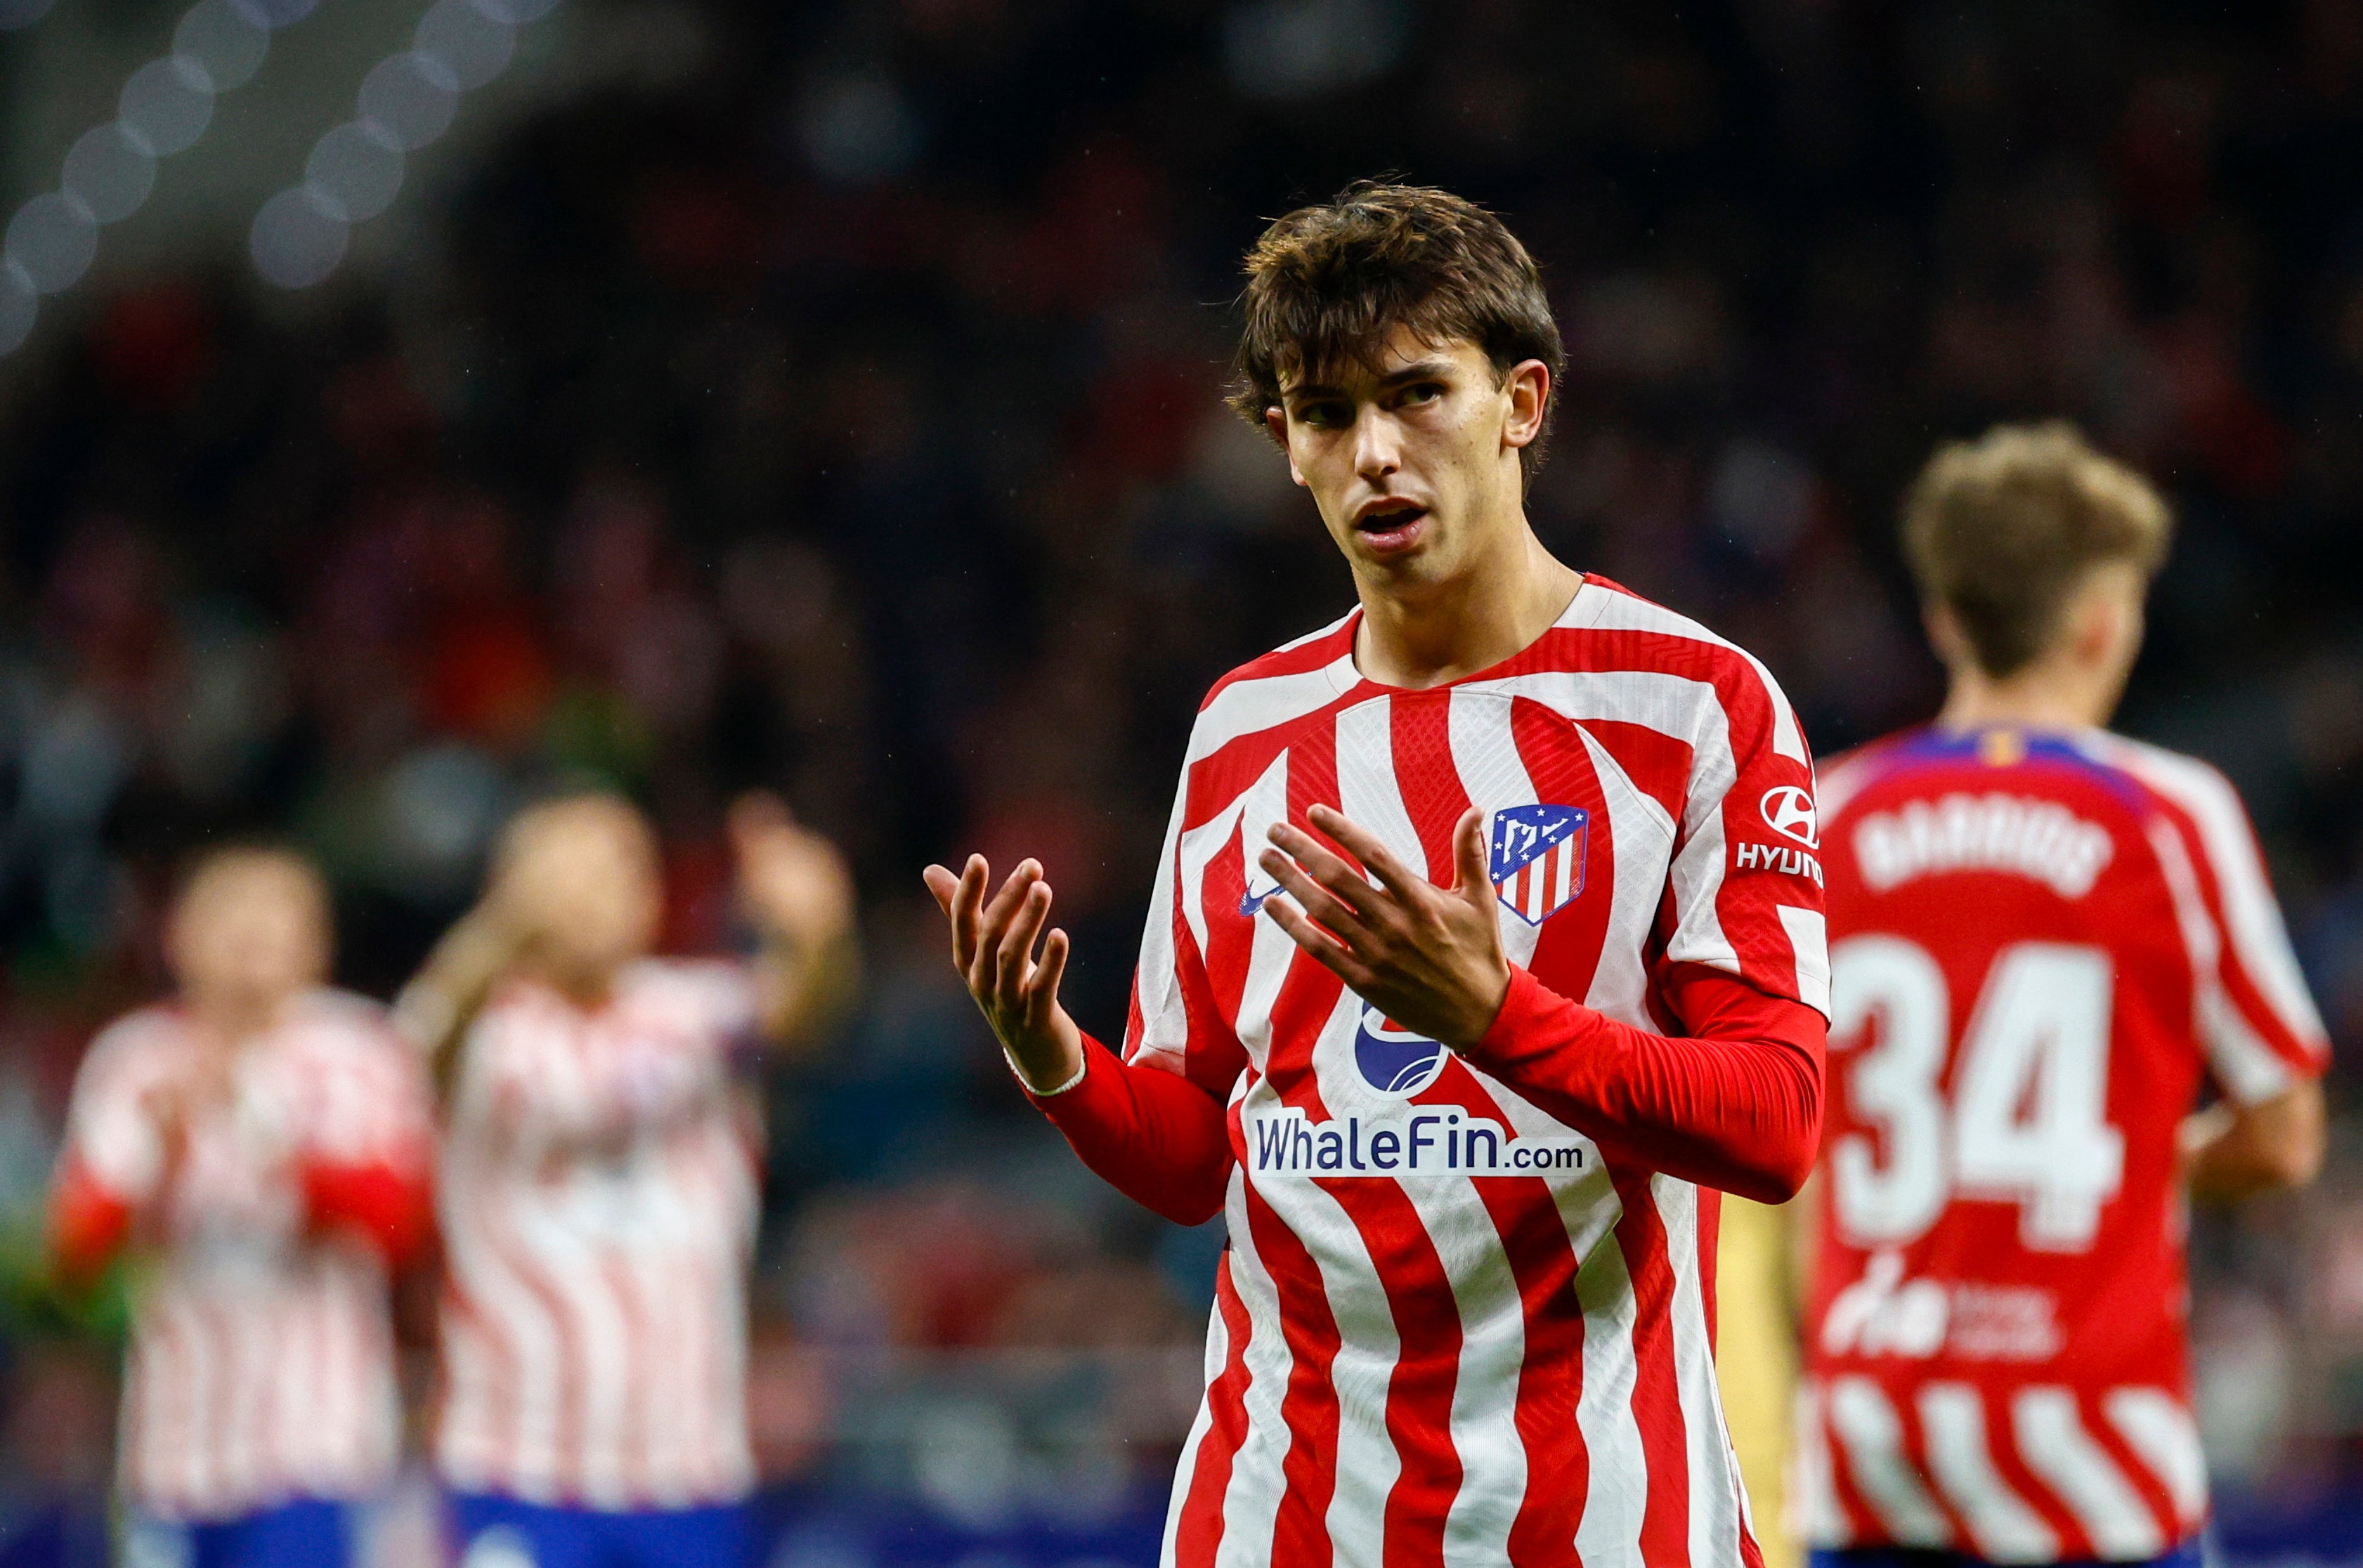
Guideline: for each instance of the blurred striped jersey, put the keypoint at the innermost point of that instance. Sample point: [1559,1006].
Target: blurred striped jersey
[261,1360]
[598,1201]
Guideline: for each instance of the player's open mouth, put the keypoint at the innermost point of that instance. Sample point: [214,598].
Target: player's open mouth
[1390,525]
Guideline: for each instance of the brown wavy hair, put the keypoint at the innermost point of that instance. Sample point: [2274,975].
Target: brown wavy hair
[1327,285]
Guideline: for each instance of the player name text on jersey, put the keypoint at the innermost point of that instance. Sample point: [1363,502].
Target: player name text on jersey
[2038,839]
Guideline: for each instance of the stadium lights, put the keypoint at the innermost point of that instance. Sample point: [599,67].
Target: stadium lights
[406,100]
[165,107]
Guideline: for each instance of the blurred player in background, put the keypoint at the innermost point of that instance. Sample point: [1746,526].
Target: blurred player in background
[1467,1115]
[599,1185]
[2043,937]
[262,1145]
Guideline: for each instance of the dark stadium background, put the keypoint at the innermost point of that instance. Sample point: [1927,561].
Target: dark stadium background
[823,396]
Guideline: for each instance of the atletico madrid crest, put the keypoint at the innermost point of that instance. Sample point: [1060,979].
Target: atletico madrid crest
[1538,858]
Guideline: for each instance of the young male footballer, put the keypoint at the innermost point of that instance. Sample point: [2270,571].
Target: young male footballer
[2045,937]
[1486,946]
[263,1143]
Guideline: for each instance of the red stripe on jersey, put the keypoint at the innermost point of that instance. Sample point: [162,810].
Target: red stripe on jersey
[1655,761]
[632,1377]
[1550,1377]
[1201,1527]
[1309,1408]
[1432,791]
[1571,941]
[1426,1369]
[1657,1404]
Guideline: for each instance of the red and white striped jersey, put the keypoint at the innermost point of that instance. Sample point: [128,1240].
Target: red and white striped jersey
[1446,1330]
[2040,944]
[261,1360]
[599,1198]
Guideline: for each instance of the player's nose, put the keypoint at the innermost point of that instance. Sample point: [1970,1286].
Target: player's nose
[1378,446]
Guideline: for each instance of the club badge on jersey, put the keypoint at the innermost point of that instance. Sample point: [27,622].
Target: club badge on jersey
[1538,858]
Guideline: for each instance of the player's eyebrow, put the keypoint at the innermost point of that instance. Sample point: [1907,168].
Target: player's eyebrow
[1418,370]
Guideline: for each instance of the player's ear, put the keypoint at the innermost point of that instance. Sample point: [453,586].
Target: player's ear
[1275,419]
[1944,634]
[1528,384]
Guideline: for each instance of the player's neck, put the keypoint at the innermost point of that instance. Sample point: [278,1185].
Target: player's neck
[1423,635]
[2046,697]
[233,1017]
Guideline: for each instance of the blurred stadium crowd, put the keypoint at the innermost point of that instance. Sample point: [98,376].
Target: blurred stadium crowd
[844,420]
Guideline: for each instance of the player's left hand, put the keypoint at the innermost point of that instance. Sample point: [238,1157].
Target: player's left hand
[1429,957]
[792,880]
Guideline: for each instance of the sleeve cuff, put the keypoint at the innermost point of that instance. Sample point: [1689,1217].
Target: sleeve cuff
[1082,1068]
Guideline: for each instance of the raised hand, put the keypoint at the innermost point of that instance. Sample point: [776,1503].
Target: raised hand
[792,880]
[1429,957]
[1018,991]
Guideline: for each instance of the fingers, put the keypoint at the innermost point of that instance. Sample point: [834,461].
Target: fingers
[993,925]
[1343,879]
[1471,860]
[1014,957]
[1312,897]
[1042,990]
[1364,846]
[966,898]
[942,884]
[1332,953]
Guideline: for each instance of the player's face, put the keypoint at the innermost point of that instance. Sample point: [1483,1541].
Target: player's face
[581,877]
[1413,459]
[251,930]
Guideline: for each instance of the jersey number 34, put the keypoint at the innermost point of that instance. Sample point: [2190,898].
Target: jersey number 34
[2026,1119]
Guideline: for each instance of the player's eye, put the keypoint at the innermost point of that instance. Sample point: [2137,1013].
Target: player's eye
[1324,415]
[1422,391]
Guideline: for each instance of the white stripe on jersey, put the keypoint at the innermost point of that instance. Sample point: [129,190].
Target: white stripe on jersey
[1868,1428]
[2001,1526]
[2252,918]
[2055,1445]
[1614,1507]
[2249,1070]
[1194,1446]
[1820,1518]
[1249,707]
[1716,1494]
[1251,1503]
[1494,776]
[2156,1426]
[1164,1017]
[1809,940]
[1367,1466]
[1623,613]
[1620,983]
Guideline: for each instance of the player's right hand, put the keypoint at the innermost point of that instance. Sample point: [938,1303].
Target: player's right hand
[994,949]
